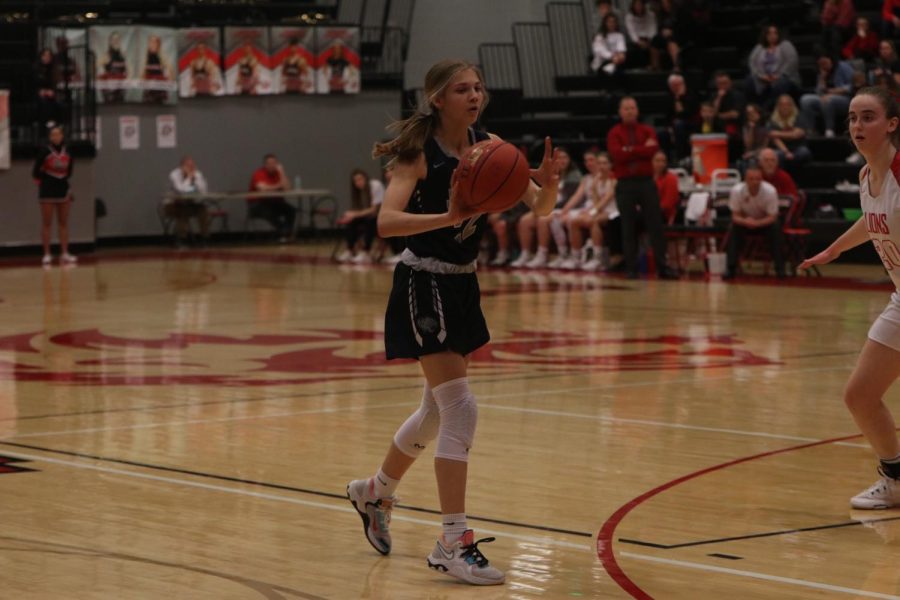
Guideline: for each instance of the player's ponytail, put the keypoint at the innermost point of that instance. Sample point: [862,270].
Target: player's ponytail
[412,132]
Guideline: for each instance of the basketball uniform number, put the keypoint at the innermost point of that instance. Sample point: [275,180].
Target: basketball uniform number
[888,252]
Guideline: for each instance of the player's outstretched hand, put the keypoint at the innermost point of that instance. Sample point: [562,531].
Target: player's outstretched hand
[824,257]
[458,209]
[547,173]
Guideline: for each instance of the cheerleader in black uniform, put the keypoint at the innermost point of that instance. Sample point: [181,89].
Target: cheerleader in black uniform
[52,170]
[434,312]
[155,69]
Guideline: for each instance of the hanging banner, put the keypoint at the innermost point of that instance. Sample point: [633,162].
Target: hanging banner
[247,70]
[69,51]
[338,61]
[4,130]
[165,131]
[200,63]
[156,60]
[134,64]
[115,64]
[293,60]
[129,133]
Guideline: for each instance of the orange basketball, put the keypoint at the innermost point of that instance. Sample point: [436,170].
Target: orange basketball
[492,175]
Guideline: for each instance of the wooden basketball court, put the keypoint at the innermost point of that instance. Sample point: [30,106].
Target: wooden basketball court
[183,425]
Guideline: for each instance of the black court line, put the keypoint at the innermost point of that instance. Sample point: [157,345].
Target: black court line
[754,535]
[727,556]
[287,488]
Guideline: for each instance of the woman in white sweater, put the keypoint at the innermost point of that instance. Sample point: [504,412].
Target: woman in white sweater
[610,51]
[641,26]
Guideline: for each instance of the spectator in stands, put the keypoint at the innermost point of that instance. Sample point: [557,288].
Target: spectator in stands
[774,68]
[366,196]
[604,7]
[864,43]
[501,224]
[754,134]
[754,210]
[49,111]
[274,209]
[666,187]
[598,212]
[787,133]
[569,182]
[780,179]
[709,122]
[52,171]
[186,179]
[886,66]
[682,116]
[640,24]
[693,20]
[610,52]
[890,18]
[834,84]
[728,105]
[665,47]
[838,18]
[632,146]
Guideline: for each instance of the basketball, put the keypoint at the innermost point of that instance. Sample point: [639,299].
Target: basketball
[492,175]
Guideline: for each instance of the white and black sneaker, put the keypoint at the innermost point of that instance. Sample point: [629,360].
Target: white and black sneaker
[374,512]
[884,493]
[462,559]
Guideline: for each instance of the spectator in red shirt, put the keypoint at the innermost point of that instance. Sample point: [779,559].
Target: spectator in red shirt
[274,209]
[837,18]
[666,186]
[632,146]
[864,44]
[778,177]
[890,18]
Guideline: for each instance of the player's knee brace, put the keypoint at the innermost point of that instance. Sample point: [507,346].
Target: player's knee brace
[459,415]
[420,428]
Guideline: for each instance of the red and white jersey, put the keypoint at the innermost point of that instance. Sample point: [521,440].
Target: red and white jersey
[882,216]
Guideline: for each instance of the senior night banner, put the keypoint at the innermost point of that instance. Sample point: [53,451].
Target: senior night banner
[293,60]
[4,130]
[200,63]
[247,71]
[338,60]
[134,64]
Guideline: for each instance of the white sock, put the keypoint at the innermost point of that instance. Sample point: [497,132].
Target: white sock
[384,486]
[563,251]
[542,252]
[454,526]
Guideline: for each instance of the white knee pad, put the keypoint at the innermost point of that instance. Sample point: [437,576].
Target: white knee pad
[420,428]
[459,414]
[558,229]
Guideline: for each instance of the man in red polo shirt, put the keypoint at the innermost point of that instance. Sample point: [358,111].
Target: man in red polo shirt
[632,146]
[274,209]
[778,177]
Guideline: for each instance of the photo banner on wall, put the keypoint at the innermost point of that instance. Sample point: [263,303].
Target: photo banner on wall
[115,65]
[200,62]
[293,60]
[157,56]
[247,71]
[4,130]
[338,61]
[134,64]
[68,47]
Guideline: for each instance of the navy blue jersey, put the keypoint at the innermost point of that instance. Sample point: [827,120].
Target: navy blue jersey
[458,245]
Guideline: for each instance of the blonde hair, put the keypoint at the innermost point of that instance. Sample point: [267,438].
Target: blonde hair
[411,133]
[788,122]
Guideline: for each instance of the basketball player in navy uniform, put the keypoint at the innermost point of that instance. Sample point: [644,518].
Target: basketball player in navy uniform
[52,170]
[434,312]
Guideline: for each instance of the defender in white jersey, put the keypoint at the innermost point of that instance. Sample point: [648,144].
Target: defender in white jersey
[875,130]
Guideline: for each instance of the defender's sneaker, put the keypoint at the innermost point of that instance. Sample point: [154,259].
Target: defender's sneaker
[462,559]
[884,493]
[374,512]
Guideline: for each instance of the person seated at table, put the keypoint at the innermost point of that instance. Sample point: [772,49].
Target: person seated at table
[754,210]
[366,196]
[274,209]
[186,179]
